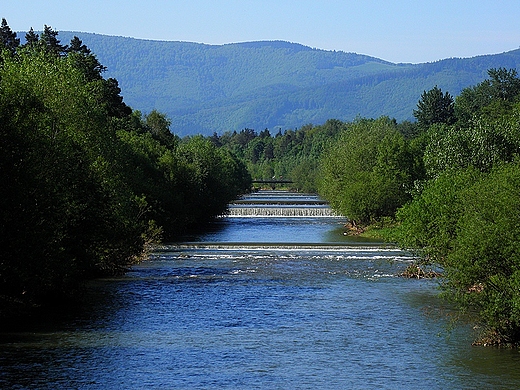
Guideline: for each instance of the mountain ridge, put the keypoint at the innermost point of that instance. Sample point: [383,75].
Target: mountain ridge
[277,84]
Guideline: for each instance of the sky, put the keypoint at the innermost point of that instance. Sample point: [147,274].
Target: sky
[413,31]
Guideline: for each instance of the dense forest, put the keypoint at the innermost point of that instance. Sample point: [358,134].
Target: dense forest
[273,84]
[88,183]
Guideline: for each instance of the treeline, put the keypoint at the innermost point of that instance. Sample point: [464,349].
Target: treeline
[88,183]
[296,154]
[292,154]
[451,182]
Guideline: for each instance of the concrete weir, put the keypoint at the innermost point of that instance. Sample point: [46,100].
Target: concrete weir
[280,204]
[281,212]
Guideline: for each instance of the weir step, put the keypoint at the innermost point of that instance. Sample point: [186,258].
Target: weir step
[281,212]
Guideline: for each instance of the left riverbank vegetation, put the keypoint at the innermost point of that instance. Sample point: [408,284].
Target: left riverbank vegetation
[88,183]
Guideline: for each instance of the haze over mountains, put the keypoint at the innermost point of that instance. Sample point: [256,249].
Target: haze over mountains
[272,84]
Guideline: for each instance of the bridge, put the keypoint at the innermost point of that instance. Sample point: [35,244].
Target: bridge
[273,182]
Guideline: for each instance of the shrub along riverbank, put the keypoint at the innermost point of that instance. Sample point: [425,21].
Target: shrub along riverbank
[88,183]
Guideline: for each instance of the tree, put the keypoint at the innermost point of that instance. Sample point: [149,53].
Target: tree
[505,84]
[429,221]
[483,269]
[8,39]
[482,144]
[366,174]
[109,93]
[85,60]
[493,97]
[50,42]
[465,218]
[61,188]
[466,222]
[209,178]
[31,39]
[85,184]
[434,107]
[159,126]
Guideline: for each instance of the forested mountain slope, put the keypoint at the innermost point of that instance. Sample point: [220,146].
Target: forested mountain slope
[216,88]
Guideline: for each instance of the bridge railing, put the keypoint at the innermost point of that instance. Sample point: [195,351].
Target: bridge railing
[281,181]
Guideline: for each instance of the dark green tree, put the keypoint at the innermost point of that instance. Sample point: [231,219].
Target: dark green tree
[31,39]
[49,41]
[434,107]
[366,174]
[67,215]
[159,126]
[505,84]
[493,97]
[85,60]
[85,184]
[109,93]
[465,218]
[483,269]
[482,144]
[8,39]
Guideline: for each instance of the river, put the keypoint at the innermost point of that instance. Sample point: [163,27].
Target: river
[259,302]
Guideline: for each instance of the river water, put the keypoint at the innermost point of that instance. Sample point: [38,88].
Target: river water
[259,302]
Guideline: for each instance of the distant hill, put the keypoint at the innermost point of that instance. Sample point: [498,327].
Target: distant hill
[272,84]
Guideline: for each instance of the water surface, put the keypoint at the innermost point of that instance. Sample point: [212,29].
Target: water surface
[268,303]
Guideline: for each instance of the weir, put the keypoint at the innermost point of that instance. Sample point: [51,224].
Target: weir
[280,204]
[288,211]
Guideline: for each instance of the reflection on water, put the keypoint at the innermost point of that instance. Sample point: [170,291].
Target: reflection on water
[265,315]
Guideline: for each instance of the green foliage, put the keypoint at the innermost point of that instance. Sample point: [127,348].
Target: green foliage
[483,269]
[467,223]
[293,154]
[466,217]
[8,38]
[50,43]
[367,174]
[68,215]
[158,125]
[429,221]
[492,98]
[211,177]
[482,144]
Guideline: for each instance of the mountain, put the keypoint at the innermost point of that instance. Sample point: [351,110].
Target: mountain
[272,84]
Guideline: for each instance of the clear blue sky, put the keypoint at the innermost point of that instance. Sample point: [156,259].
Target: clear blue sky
[397,31]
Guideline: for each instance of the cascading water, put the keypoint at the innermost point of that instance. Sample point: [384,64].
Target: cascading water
[281,212]
[275,204]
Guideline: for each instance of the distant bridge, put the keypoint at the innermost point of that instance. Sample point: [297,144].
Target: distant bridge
[273,182]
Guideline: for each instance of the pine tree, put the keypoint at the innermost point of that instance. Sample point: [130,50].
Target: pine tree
[77,46]
[85,60]
[49,40]
[8,39]
[31,38]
